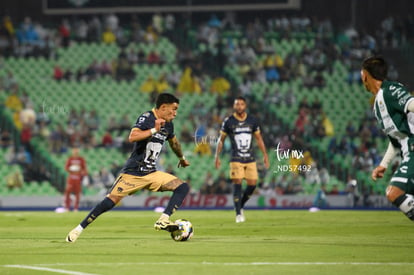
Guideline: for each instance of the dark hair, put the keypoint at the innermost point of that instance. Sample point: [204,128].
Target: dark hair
[241,98]
[166,98]
[376,66]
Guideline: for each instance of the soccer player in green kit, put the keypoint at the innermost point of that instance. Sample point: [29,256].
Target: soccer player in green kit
[394,110]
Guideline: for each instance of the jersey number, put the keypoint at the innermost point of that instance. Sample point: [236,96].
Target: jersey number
[152,152]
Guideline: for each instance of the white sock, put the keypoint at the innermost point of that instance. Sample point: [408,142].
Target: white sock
[407,204]
[79,228]
[164,217]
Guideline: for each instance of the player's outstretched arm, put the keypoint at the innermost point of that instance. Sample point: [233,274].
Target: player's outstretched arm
[262,148]
[176,147]
[219,148]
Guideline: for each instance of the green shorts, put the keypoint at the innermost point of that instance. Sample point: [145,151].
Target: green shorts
[403,177]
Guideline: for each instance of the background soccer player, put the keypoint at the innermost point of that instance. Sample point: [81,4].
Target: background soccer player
[76,167]
[148,134]
[394,110]
[241,128]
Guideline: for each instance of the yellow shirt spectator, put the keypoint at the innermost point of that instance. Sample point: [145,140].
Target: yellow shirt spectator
[328,126]
[220,86]
[13,102]
[17,121]
[148,86]
[162,85]
[8,25]
[108,37]
[186,82]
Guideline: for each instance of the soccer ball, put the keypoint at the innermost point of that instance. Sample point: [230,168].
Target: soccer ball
[185,231]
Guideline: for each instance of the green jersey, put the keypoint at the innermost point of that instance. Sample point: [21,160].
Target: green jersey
[390,109]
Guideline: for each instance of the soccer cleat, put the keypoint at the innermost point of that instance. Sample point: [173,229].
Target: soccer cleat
[166,225]
[240,217]
[73,235]
[243,219]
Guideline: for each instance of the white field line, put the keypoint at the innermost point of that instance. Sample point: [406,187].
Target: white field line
[234,263]
[48,269]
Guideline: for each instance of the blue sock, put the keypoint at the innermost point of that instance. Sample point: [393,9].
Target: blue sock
[177,198]
[237,188]
[105,205]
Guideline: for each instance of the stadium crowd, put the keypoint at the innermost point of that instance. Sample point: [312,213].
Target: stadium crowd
[216,45]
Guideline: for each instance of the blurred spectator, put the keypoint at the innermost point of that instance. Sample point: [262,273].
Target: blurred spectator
[107,140]
[294,185]
[162,85]
[104,68]
[222,187]
[154,58]
[92,120]
[14,180]
[132,56]
[25,138]
[81,31]
[9,81]
[352,192]
[112,22]
[13,101]
[334,190]
[124,124]
[328,127]
[115,168]
[5,139]
[220,86]
[188,83]
[64,33]
[112,124]
[102,180]
[301,121]
[150,35]
[43,130]
[57,139]
[350,130]
[7,29]
[108,36]
[94,29]
[58,73]
[148,86]
[207,187]
[27,36]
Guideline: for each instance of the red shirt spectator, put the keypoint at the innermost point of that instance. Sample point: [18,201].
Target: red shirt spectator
[107,140]
[26,135]
[153,58]
[57,73]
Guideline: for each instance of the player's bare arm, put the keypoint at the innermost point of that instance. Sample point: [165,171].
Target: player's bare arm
[137,134]
[262,148]
[176,147]
[219,148]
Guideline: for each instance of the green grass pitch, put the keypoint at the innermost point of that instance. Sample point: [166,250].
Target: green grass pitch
[269,242]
